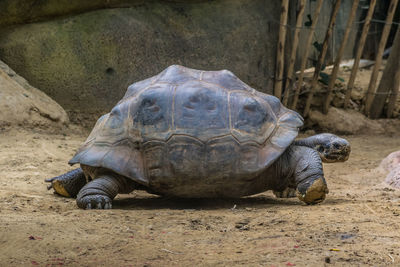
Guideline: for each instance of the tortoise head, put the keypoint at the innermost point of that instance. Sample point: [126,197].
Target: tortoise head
[332,148]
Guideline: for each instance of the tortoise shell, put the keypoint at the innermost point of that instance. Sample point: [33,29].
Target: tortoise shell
[190,126]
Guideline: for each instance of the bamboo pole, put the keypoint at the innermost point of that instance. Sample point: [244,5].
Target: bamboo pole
[378,59]
[289,78]
[395,93]
[305,56]
[396,81]
[387,87]
[281,49]
[335,70]
[321,58]
[360,49]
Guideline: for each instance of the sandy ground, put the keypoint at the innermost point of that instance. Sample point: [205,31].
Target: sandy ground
[358,224]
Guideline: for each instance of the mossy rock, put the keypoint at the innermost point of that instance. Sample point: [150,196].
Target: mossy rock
[86,61]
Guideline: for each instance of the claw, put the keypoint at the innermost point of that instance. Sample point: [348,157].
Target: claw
[49,180]
[94,202]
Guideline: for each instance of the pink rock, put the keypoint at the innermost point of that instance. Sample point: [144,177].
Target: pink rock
[393,178]
[391,162]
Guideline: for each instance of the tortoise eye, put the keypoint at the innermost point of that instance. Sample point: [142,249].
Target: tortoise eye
[336,145]
[320,149]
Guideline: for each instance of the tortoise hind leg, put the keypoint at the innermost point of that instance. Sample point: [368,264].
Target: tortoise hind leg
[68,184]
[288,192]
[99,193]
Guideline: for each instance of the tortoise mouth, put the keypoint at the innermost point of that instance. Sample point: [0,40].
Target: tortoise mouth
[335,157]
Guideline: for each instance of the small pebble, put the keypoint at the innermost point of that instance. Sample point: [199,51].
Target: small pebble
[327,260]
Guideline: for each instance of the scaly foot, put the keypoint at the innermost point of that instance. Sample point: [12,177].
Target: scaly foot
[67,184]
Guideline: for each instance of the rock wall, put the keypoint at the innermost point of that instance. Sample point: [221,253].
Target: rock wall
[86,61]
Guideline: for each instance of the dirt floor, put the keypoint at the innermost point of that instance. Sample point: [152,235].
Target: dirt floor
[358,224]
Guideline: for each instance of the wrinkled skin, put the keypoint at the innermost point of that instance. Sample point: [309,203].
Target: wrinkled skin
[330,148]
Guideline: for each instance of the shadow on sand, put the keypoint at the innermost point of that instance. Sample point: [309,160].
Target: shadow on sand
[259,201]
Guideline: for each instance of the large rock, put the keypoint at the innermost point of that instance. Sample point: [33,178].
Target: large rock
[391,166]
[351,122]
[345,122]
[86,61]
[23,105]
[393,178]
[391,162]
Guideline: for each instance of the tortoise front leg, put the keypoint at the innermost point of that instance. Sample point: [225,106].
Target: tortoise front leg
[308,175]
[68,184]
[99,193]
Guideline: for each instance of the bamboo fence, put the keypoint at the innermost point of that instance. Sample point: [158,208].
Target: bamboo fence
[292,89]
[339,57]
[305,56]
[321,58]
[378,59]
[281,48]
[289,78]
[360,49]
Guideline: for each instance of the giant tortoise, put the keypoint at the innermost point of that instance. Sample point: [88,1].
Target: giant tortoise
[189,133]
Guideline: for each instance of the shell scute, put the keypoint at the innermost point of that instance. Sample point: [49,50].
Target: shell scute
[252,119]
[225,79]
[200,110]
[151,112]
[176,74]
[135,88]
